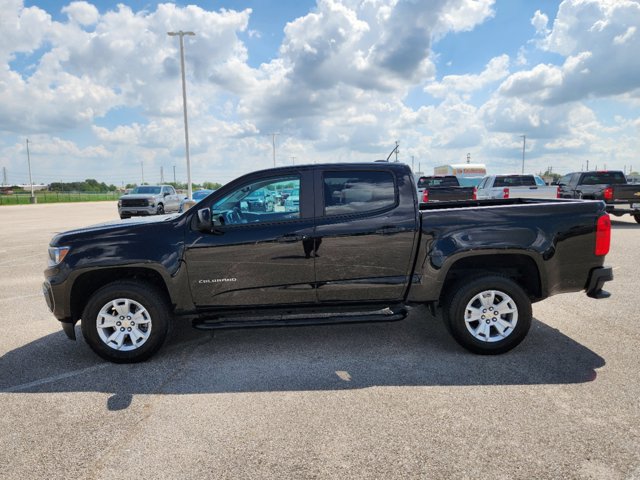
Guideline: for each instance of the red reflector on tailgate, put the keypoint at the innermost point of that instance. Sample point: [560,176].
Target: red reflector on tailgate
[603,235]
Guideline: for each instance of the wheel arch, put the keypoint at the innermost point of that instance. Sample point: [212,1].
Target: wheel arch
[519,267]
[87,283]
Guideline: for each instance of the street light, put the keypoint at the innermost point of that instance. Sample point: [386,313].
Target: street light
[181,34]
[524,141]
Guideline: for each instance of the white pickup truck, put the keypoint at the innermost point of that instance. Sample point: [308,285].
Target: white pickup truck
[515,186]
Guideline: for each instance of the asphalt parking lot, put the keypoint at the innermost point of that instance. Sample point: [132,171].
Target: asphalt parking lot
[397,400]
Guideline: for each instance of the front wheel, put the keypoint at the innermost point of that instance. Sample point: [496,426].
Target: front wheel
[488,315]
[160,209]
[637,217]
[125,322]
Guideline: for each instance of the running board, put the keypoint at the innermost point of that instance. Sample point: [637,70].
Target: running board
[237,321]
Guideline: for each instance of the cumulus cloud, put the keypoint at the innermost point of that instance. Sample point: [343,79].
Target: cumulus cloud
[598,39]
[495,70]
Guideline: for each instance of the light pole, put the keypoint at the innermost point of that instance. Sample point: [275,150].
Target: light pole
[33,197]
[181,34]
[524,142]
[273,140]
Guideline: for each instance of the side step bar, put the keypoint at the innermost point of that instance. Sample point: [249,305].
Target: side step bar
[238,321]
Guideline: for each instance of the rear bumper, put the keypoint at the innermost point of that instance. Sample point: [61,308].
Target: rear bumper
[597,279]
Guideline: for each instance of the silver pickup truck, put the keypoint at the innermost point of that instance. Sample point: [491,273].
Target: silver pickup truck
[149,200]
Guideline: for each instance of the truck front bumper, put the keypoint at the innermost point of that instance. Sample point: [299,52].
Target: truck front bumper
[597,278]
[137,211]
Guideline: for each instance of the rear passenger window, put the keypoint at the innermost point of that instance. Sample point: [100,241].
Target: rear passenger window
[358,192]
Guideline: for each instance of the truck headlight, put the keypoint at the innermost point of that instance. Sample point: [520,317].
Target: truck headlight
[57,254]
[119,203]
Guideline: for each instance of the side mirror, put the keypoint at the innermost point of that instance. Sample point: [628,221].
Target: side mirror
[204,223]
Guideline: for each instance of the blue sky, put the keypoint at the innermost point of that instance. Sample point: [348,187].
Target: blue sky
[95,86]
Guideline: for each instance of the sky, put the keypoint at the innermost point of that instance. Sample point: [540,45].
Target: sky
[96,87]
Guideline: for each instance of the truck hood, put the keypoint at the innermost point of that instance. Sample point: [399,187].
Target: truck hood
[139,196]
[124,227]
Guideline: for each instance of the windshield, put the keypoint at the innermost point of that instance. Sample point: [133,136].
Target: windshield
[147,190]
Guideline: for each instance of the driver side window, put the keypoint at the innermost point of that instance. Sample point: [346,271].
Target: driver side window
[267,200]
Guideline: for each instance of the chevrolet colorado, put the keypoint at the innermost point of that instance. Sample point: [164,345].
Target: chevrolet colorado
[355,248]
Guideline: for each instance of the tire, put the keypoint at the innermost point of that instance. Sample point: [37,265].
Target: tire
[124,217]
[637,217]
[480,297]
[106,313]
[160,209]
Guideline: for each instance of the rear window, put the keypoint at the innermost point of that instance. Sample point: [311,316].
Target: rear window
[357,192]
[515,181]
[599,178]
[437,182]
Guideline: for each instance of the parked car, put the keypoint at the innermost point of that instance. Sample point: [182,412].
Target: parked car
[440,188]
[611,186]
[197,196]
[261,200]
[292,202]
[515,186]
[149,200]
[372,253]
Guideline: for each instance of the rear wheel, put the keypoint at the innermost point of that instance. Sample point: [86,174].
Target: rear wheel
[125,322]
[488,315]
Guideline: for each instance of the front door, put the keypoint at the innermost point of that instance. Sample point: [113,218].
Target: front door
[254,256]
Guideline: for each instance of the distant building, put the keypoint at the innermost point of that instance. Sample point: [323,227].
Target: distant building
[462,170]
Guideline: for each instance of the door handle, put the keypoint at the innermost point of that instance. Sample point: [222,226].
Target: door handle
[289,238]
[388,230]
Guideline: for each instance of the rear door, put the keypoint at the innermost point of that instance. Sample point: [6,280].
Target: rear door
[364,235]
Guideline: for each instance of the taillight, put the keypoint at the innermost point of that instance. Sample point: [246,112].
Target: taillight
[558,193]
[603,235]
[505,193]
[425,196]
[475,193]
[608,193]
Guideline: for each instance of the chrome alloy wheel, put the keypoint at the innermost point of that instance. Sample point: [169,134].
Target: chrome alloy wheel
[123,324]
[491,316]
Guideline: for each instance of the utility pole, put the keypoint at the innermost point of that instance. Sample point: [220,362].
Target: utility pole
[293,160]
[397,150]
[4,176]
[142,168]
[273,140]
[33,197]
[174,175]
[161,174]
[524,142]
[468,158]
[587,165]
[412,163]
[181,34]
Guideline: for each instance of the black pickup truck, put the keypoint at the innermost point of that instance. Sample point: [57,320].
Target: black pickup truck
[356,248]
[442,188]
[608,185]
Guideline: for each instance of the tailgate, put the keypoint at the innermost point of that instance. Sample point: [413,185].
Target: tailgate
[627,193]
